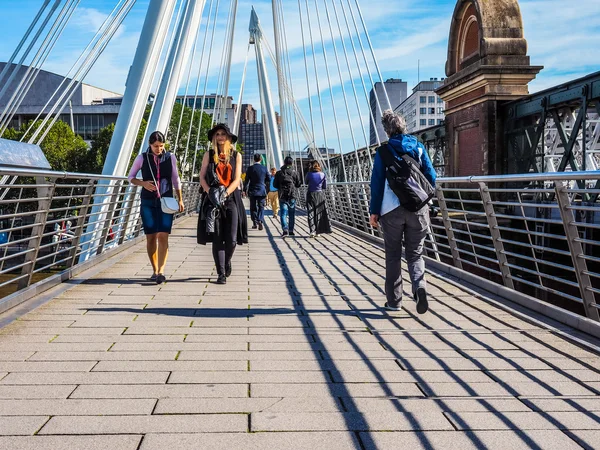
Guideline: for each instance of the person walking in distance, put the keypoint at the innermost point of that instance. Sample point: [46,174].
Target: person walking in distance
[257,180]
[316,201]
[400,225]
[273,194]
[221,220]
[160,178]
[287,181]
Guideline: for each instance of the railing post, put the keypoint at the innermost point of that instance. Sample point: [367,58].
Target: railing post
[434,246]
[129,200]
[576,249]
[448,226]
[490,214]
[110,214]
[83,212]
[348,211]
[37,232]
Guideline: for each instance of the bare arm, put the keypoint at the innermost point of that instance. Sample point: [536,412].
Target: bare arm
[238,175]
[203,170]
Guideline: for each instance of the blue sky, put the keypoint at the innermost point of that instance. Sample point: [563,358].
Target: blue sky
[563,39]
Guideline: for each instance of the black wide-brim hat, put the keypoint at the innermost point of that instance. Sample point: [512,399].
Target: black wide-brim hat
[225,128]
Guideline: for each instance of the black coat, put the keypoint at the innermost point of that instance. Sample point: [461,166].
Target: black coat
[203,237]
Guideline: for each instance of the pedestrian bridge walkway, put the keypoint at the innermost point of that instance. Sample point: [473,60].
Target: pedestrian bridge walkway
[293,353]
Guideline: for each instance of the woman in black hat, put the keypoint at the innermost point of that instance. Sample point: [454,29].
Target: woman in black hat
[222,218]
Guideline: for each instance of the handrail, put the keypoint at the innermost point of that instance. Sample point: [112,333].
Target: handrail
[519,178]
[508,233]
[16,171]
[48,226]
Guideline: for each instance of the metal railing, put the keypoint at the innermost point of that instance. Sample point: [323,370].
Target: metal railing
[538,234]
[47,221]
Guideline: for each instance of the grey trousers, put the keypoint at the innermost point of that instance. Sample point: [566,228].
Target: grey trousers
[409,228]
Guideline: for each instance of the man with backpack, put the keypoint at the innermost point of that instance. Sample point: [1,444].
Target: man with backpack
[287,181]
[402,184]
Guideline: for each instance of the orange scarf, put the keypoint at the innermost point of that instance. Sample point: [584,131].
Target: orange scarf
[224,171]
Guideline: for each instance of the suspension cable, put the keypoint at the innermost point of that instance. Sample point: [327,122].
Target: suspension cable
[210,51]
[229,51]
[364,55]
[106,32]
[337,60]
[350,72]
[220,80]
[198,77]
[39,59]
[314,57]
[15,69]
[24,39]
[290,93]
[335,117]
[187,86]
[169,41]
[362,19]
[362,79]
[312,122]
[237,117]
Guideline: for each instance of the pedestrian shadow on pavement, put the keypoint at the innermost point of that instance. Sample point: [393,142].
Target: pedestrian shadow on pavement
[311,248]
[142,281]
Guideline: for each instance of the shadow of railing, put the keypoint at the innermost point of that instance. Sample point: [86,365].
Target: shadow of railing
[504,418]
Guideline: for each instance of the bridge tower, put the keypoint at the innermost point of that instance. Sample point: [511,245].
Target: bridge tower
[487,66]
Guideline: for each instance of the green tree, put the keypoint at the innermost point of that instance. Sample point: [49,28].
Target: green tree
[100,145]
[181,138]
[186,139]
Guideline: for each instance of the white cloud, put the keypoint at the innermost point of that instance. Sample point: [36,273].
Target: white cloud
[402,31]
[88,20]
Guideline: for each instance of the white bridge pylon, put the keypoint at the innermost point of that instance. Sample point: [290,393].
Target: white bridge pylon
[270,126]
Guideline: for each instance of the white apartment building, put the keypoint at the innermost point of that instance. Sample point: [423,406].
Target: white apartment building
[424,108]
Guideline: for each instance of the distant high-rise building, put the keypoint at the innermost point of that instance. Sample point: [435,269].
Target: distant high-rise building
[424,108]
[247,114]
[252,138]
[397,92]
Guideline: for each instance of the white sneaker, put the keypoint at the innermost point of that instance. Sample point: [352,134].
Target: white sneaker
[312,235]
[392,308]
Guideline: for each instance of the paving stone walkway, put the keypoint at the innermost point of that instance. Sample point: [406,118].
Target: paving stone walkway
[293,353]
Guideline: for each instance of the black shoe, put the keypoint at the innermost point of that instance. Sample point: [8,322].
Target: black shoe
[222,279]
[160,278]
[153,277]
[254,227]
[292,233]
[228,269]
[260,226]
[285,233]
[421,299]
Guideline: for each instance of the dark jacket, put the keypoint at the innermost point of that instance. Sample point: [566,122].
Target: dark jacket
[399,145]
[258,179]
[287,181]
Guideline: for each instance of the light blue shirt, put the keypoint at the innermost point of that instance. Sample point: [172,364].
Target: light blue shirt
[272,188]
